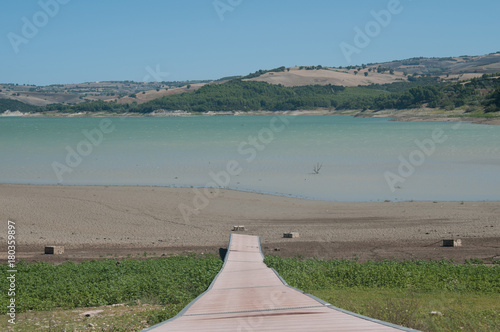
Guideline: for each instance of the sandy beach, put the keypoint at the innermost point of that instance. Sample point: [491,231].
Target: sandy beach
[93,222]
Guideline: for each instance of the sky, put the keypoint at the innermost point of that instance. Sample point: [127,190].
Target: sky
[46,42]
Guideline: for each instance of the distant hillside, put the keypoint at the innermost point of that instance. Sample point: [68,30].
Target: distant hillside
[119,91]
[311,75]
[470,84]
[478,96]
[148,95]
[451,68]
[446,67]
[14,105]
[123,92]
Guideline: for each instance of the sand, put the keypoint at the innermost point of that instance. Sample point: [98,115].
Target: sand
[92,221]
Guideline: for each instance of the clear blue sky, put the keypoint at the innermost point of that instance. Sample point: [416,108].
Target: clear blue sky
[97,40]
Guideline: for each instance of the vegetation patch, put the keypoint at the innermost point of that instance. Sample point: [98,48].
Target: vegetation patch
[475,95]
[172,281]
[14,105]
[424,295]
[129,295]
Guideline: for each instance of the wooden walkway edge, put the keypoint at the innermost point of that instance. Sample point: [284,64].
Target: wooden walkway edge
[246,295]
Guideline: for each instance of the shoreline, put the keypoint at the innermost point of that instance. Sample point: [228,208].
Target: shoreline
[248,191]
[430,115]
[94,221]
[411,115]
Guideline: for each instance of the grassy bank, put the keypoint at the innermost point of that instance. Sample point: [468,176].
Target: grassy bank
[425,311]
[428,296]
[129,295]
[46,294]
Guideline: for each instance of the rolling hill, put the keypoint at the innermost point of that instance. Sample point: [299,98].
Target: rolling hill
[119,91]
[466,82]
[448,69]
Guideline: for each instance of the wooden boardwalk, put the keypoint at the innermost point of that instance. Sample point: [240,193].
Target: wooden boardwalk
[246,295]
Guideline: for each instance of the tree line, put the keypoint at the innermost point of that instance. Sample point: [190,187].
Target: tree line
[238,95]
[14,105]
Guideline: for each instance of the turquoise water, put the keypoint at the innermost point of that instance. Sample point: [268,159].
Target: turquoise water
[360,157]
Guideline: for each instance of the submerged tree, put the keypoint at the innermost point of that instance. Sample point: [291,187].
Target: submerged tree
[317,168]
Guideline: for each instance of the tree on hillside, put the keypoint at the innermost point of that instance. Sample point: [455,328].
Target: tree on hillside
[366,73]
[492,101]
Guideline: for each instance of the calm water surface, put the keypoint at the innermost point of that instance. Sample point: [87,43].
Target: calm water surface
[363,159]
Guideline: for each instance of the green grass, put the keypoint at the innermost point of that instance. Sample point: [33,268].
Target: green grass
[416,275]
[172,280]
[482,114]
[453,311]
[466,297]
[112,318]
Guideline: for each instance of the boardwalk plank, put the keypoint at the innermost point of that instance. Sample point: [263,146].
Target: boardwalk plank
[249,296]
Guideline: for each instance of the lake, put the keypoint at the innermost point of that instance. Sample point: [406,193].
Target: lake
[360,159]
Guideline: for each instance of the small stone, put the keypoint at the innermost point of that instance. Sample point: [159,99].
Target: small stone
[91,313]
[54,250]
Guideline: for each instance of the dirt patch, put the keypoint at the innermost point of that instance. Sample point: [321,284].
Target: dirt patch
[142,222]
[487,249]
